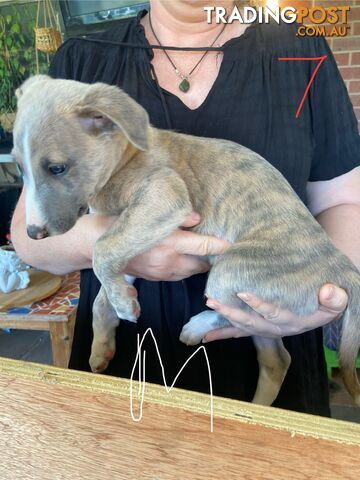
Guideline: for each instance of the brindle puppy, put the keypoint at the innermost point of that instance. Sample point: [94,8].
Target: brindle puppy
[92,145]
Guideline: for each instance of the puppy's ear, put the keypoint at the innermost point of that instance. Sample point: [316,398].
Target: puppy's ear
[106,109]
[30,82]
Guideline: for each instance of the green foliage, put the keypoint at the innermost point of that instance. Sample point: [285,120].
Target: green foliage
[17,51]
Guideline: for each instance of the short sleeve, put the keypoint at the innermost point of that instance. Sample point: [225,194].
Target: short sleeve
[335,129]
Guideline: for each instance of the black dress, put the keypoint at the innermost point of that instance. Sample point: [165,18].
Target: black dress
[253,102]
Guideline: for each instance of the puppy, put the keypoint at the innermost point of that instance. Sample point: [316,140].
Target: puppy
[92,146]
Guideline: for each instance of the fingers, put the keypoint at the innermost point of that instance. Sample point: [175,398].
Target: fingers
[266,314]
[191,243]
[266,310]
[332,299]
[270,321]
[247,323]
[317,319]
[233,314]
[223,334]
[168,269]
[191,220]
[187,266]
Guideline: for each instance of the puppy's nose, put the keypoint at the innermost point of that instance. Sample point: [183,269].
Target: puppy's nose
[36,233]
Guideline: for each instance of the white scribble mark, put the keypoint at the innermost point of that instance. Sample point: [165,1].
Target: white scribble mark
[142,376]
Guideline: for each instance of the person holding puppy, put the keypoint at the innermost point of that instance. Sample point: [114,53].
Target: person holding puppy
[240,92]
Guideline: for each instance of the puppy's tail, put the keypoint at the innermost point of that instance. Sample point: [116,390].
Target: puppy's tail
[350,342]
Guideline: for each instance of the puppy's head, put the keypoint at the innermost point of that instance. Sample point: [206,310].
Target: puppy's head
[69,137]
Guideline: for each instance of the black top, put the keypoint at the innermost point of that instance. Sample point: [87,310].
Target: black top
[253,102]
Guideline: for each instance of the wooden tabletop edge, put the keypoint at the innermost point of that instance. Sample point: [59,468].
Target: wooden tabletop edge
[293,422]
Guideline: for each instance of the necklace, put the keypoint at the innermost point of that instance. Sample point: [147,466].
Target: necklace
[184,85]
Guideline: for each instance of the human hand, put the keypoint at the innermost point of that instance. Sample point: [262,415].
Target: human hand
[177,256]
[270,321]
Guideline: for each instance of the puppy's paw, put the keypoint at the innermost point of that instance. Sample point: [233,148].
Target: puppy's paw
[102,353]
[131,311]
[190,335]
[199,325]
[126,308]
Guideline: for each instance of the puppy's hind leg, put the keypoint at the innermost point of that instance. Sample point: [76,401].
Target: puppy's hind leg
[274,361]
[105,322]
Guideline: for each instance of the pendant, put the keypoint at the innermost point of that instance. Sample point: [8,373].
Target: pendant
[184,85]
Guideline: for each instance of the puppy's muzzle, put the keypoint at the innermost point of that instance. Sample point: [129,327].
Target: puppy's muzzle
[37,233]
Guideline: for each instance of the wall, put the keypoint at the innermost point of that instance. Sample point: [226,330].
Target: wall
[346,49]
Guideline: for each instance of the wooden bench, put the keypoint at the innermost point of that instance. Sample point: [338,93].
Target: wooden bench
[64,424]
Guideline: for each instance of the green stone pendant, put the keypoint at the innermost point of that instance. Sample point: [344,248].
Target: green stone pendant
[184,85]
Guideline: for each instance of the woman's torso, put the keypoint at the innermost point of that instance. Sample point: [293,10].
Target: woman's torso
[253,102]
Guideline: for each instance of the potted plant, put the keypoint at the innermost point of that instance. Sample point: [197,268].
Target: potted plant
[17,58]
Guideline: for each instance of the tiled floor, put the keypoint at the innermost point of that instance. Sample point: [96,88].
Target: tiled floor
[35,346]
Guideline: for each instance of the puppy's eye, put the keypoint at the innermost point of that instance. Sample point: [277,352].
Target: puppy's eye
[57,169]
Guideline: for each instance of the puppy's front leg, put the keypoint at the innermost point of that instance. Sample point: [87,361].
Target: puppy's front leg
[105,322]
[154,212]
[159,207]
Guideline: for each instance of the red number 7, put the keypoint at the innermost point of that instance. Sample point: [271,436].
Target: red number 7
[320,60]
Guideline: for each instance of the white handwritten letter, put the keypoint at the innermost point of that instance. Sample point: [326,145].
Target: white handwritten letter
[142,376]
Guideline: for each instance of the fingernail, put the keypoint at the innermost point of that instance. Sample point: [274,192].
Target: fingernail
[204,340]
[330,292]
[244,296]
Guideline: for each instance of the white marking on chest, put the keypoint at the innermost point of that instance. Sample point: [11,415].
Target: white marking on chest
[33,216]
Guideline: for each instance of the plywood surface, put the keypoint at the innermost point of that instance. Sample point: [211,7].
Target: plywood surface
[58,424]
[42,285]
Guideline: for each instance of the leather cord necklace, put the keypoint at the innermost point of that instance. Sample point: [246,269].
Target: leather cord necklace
[184,85]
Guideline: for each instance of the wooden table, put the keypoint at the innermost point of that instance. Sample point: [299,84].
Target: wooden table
[55,314]
[60,424]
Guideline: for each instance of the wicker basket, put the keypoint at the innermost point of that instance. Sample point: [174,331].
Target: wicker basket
[47,29]
[7,121]
[47,39]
